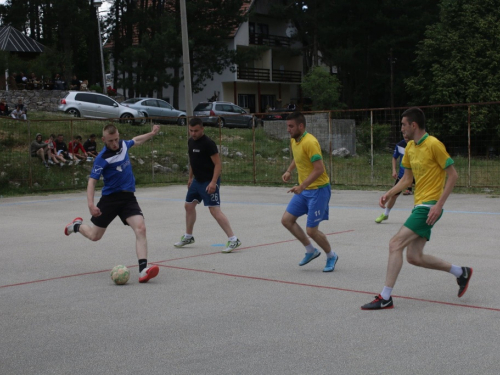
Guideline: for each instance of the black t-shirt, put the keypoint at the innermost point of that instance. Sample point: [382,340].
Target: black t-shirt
[89,145]
[200,152]
[61,146]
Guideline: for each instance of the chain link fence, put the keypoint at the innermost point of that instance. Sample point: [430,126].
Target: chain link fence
[357,148]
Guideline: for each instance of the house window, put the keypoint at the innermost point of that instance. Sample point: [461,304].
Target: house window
[267,101]
[247,101]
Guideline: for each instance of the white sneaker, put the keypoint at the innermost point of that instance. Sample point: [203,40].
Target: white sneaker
[77,161]
[231,245]
[70,228]
[51,162]
[148,273]
[184,241]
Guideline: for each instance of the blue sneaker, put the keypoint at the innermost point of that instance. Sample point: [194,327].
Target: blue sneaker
[330,263]
[309,257]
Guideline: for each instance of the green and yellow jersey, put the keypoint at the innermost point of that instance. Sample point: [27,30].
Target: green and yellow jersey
[428,160]
[306,151]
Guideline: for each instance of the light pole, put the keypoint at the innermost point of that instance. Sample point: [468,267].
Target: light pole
[97,4]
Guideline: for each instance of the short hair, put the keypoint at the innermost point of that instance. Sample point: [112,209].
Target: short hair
[79,137]
[110,129]
[195,121]
[52,135]
[60,135]
[298,117]
[92,135]
[415,114]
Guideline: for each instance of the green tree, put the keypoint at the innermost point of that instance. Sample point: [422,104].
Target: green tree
[458,62]
[323,88]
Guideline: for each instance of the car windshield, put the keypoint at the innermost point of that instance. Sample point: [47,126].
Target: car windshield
[131,101]
[203,107]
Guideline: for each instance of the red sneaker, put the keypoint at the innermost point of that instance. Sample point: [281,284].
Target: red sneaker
[70,228]
[148,273]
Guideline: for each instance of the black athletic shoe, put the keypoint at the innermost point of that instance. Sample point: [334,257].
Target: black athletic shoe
[463,281]
[379,304]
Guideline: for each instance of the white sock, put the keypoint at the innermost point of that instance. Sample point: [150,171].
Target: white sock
[331,254]
[386,293]
[387,210]
[456,271]
[188,236]
[310,248]
[234,238]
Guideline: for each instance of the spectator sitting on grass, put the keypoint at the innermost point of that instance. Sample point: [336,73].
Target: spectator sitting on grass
[40,149]
[62,148]
[90,146]
[75,147]
[53,156]
[18,113]
[4,108]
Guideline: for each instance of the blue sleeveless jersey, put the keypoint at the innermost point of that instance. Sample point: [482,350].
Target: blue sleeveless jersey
[115,168]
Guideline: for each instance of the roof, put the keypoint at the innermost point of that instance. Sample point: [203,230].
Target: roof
[13,40]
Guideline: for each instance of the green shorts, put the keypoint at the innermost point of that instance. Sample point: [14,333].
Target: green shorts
[417,221]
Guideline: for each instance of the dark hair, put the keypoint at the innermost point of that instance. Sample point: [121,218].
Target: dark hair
[298,117]
[415,114]
[92,135]
[60,135]
[195,121]
[52,135]
[110,129]
[79,137]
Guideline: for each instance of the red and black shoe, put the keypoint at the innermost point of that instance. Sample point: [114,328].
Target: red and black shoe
[463,281]
[379,304]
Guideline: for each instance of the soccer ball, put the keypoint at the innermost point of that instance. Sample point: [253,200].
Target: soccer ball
[120,274]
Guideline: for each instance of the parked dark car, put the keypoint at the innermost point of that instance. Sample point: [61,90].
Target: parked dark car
[224,114]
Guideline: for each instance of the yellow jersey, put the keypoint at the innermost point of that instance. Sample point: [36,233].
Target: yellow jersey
[306,151]
[428,160]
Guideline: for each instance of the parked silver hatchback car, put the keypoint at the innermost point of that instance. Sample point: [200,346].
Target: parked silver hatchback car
[224,114]
[162,110]
[94,105]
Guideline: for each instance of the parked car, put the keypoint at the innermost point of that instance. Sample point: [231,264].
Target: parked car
[224,114]
[151,107]
[94,105]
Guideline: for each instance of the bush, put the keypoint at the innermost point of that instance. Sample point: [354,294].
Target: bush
[381,134]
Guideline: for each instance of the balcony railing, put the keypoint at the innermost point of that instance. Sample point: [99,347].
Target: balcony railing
[287,76]
[254,74]
[269,40]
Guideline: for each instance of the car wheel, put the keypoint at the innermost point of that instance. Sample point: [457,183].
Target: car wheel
[181,121]
[222,122]
[145,119]
[126,118]
[250,124]
[73,112]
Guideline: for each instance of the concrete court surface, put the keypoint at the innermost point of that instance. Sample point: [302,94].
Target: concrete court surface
[254,311]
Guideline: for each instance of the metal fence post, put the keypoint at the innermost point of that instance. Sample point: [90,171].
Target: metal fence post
[253,151]
[330,137]
[30,176]
[371,143]
[468,146]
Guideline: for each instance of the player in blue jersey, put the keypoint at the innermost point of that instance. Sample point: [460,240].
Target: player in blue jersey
[399,152]
[118,199]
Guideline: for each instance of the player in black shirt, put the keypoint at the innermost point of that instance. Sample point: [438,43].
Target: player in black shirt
[203,185]
[90,146]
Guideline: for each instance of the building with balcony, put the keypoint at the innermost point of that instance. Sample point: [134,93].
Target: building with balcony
[273,78]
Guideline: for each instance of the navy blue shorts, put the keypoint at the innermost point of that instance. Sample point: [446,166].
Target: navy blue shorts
[198,192]
[314,203]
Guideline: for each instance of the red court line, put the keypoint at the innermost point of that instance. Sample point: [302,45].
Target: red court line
[327,287]
[245,248]
[161,261]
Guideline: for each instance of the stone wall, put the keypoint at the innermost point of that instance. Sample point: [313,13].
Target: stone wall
[343,131]
[37,100]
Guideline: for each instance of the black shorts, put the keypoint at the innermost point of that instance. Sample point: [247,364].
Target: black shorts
[123,204]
